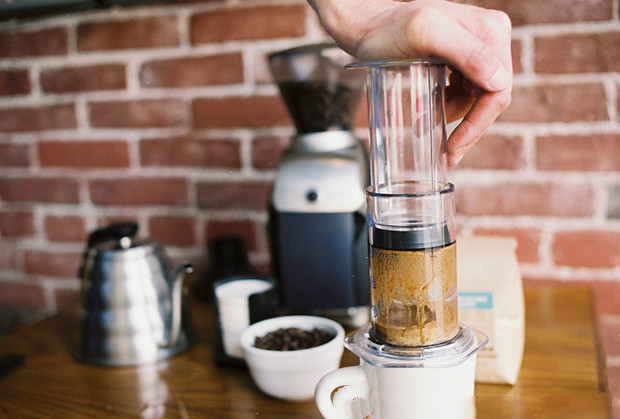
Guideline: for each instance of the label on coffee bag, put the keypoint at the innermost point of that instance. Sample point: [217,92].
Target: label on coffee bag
[476,300]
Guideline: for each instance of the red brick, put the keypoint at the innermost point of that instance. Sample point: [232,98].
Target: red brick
[175,231]
[579,153]
[246,229]
[14,155]
[259,22]
[255,111]
[557,103]
[193,71]
[495,152]
[527,198]
[32,189]
[144,33]
[16,224]
[613,379]
[59,264]
[17,43]
[65,228]
[515,49]
[81,79]
[83,154]
[139,191]
[66,298]
[588,249]
[8,259]
[21,294]
[613,202]
[191,152]
[617,116]
[607,297]
[528,240]
[14,82]
[139,114]
[578,53]
[526,12]
[38,118]
[266,151]
[233,195]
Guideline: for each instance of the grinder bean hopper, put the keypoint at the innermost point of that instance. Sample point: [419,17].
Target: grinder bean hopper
[317,224]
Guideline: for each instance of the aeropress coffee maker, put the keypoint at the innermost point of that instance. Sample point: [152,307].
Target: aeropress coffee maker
[317,217]
[416,359]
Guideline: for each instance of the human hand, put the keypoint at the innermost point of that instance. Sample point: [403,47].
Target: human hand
[475,41]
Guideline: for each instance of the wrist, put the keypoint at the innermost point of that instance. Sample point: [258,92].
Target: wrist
[347,21]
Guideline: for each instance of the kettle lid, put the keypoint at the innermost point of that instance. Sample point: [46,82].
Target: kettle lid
[115,236]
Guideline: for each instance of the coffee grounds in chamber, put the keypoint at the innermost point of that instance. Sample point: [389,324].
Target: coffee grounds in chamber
[317,107]
[414,295]
[293,338]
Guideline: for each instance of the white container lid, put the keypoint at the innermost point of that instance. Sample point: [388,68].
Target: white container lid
[238,291]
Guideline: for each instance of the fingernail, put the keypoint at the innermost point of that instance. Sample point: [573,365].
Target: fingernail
[500,80]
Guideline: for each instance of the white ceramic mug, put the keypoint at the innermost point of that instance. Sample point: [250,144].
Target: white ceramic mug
[366,391]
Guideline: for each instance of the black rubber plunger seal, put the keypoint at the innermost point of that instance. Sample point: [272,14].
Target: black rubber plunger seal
[422,237]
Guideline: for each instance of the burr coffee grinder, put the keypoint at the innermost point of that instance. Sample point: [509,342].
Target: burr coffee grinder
[416,359]
[317,220]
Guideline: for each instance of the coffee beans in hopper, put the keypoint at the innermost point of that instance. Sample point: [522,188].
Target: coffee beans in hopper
[292,338]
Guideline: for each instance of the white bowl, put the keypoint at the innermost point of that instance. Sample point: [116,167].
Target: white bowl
[292,375]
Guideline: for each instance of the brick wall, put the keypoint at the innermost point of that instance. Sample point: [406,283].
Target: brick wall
[161,114]
[167,115]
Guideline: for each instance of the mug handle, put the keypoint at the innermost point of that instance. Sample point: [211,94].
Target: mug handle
[336,392]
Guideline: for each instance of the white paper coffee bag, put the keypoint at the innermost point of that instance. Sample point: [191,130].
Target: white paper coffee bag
[491,300]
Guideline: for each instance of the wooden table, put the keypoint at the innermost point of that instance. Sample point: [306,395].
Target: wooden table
[559,376]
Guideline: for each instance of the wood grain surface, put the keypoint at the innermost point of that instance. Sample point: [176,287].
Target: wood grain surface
[559,377]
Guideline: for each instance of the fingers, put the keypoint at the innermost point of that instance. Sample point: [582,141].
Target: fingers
[480,117]
[472,39]
[488,61]
[460,95]
[475,42]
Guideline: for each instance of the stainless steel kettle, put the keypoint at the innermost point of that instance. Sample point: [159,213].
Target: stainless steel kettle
[132,310]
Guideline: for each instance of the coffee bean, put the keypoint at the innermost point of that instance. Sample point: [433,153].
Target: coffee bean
[293,338]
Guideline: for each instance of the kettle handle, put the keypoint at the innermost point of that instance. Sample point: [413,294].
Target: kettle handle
[177,304]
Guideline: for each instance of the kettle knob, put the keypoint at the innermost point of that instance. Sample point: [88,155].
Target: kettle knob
[114,231]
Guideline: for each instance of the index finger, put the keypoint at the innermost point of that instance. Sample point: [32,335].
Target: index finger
[476,122]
